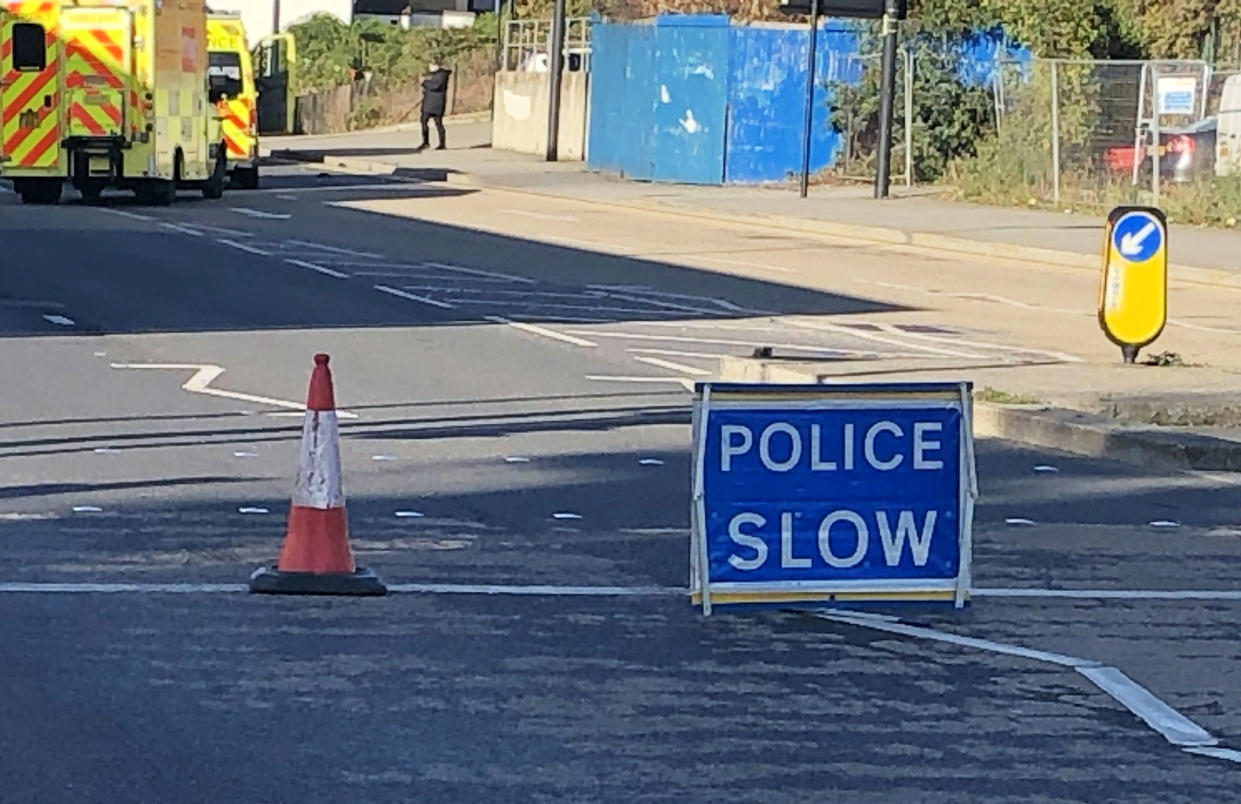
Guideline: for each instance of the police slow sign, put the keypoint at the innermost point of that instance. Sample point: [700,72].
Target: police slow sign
[832,493]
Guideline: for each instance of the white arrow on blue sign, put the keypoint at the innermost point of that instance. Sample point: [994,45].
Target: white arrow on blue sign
[1137,236]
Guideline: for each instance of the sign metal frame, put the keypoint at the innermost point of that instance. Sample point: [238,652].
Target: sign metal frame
[906,396]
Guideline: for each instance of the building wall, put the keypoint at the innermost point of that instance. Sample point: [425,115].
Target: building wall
[522,109]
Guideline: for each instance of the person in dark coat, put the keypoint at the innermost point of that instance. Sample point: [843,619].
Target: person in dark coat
[434,101]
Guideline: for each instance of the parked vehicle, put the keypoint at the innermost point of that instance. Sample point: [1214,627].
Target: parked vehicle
[1185,153]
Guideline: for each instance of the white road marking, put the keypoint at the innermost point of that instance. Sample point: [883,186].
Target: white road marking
[540,215]
[667,591]
[393,184]
[176,227]
[137,216]
[671,366]
[251,510]
[206,373]
[1046,468]
[650,462]
[575,241]
[688,385]
[444,266]
[823,326]
[334,249]
[224,230]
[1172,725]
[534,590]
[87,509]
[515,459]
[640,336]
[312,266]
[383,458]
[245,454]
[258,213]
[59,320]
[1215,752]
[105,450]
[675,353]
[534,329]
[566,515]
[411,297]
[1165,523]
[543,294]
[1203,327]
[681,308]
[1110,594]
[243,247]
[409,514]
[1175,727]
[1061,356]
[113,588]
[1018,521]
[287,197]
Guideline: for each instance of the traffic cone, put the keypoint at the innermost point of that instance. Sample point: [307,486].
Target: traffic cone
[316,559]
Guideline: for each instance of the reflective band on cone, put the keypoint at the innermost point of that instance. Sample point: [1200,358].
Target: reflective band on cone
[316,558]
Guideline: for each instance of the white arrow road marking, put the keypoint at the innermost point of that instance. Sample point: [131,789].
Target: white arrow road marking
[258,213]
[1132,243]
[58,319]
[206,373]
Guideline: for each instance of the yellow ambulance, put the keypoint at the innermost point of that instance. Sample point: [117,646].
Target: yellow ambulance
[231,79]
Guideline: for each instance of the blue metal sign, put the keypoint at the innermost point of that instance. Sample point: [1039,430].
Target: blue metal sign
[1137,236]
[832,493]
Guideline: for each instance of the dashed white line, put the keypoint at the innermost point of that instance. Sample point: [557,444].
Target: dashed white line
[534,329]
[258,213]
[321,269]
[676,353]
[185,230]
[137,216]
[412,297]
[334,249]
[672,366]
[59,320]
[443,266]
[243,247]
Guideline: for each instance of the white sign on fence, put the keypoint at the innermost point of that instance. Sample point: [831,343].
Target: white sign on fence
[1178,94]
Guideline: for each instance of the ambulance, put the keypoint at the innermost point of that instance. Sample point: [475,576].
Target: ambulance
[107,93]
[231,80]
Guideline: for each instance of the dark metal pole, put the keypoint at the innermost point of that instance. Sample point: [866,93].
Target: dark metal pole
[275,16]
[887,94]
[808,130]
[557,69]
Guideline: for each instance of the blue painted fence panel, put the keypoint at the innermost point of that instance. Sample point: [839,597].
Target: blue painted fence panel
[690,101]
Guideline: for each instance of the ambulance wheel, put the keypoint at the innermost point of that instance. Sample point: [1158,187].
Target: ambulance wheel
[214,187]
[92,192]
[247,178]
[39,191]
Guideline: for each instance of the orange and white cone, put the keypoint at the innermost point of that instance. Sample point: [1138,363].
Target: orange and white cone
[316,559]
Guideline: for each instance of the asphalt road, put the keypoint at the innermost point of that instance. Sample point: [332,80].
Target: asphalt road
[480,415]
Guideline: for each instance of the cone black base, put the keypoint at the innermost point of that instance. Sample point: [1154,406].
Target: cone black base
[269,580]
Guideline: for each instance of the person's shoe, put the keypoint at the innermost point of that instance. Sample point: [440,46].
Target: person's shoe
[441,147]
[423,147]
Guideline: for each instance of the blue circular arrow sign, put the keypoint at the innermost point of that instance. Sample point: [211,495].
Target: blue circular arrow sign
[1137,236]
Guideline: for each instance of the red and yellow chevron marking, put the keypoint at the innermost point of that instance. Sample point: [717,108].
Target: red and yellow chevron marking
[95,76]
[29,101]
[236,128]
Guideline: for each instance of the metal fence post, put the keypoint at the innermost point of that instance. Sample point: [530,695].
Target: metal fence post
[1055,132]
[1155,135]
[909,114]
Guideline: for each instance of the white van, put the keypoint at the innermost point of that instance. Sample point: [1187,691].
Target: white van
[1228,129]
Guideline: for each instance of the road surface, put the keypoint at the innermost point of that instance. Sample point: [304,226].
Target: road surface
[517,414]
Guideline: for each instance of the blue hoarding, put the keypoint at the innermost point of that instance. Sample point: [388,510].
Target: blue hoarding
[834,493]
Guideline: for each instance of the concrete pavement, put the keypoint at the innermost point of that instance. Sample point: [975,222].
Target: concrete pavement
[500,386]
